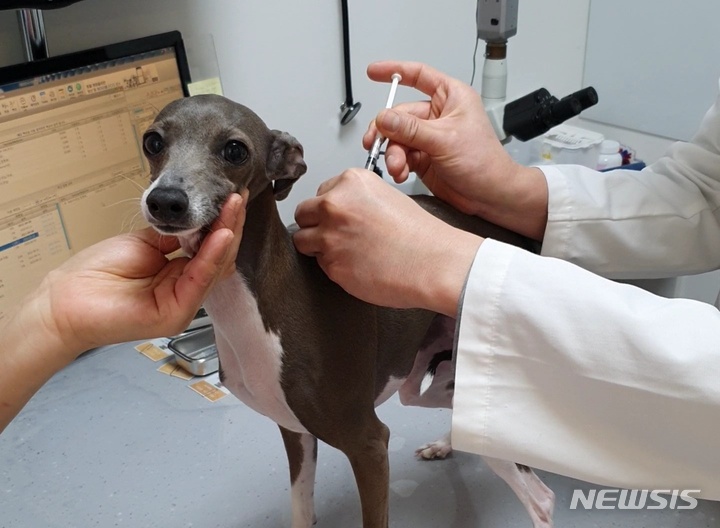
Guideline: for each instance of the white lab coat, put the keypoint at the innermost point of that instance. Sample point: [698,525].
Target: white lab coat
[566,371]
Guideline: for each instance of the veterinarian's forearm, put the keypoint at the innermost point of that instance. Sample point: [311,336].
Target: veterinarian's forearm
[447,264]
[659,222]
[636,224]
[521,205]
[560,369]
[31,355]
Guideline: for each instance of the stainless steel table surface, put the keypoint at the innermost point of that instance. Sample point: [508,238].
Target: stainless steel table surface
[111,442]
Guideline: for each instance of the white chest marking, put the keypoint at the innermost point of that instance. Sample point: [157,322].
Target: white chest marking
[250,356]
[391,387]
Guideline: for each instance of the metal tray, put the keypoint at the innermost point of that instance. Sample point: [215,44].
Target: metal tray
[196,352]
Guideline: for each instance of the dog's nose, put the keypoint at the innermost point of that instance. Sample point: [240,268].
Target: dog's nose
[167,204]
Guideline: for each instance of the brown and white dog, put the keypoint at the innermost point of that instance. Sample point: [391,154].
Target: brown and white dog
[293,345]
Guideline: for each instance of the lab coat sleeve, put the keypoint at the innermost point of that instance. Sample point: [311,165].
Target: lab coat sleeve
[663,221]
[563,370]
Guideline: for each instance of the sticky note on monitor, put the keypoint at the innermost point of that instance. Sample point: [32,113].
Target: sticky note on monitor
[206,86]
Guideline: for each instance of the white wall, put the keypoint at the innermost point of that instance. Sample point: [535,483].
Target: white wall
[284,58]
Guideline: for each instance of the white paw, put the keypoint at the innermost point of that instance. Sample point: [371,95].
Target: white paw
[433,450]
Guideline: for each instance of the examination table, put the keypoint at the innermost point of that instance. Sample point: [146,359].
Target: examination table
[110,441]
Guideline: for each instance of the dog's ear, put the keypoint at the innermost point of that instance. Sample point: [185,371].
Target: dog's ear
[285,163]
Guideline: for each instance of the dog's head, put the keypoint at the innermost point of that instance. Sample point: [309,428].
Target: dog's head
[203,148]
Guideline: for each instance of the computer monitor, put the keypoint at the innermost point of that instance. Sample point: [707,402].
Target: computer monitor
[71,163]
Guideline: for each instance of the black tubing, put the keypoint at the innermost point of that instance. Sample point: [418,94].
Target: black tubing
[346,53]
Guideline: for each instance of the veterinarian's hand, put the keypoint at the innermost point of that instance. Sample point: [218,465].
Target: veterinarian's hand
[380,246]
[449,142]
[125,288]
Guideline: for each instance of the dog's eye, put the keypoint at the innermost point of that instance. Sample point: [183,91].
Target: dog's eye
[235,152]
[153,144]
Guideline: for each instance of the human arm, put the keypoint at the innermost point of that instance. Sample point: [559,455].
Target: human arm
[120,289]
[450,144]
[381,247]
[562,370]
[660,222]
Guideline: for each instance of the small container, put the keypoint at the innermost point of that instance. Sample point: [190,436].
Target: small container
[196,352]
[568,144]
[610,156]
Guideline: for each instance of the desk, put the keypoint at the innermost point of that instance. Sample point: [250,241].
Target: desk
[111,442]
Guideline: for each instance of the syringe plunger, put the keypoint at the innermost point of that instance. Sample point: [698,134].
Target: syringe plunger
[374,154]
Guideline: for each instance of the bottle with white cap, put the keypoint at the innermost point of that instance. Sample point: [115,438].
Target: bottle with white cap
[610,156]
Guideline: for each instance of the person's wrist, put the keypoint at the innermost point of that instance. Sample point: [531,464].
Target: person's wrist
[33,354]
[448,260]
[36,319]
[519,201]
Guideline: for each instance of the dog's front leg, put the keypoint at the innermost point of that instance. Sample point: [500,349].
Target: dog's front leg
[302,458]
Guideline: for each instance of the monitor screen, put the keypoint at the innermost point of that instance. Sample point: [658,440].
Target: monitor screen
[71,163]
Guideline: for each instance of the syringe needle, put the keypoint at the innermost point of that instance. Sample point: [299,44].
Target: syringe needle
[372,160]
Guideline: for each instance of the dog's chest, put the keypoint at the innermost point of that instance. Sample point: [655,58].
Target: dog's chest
[250,355]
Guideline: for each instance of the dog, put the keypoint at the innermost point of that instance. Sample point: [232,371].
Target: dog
[292,344]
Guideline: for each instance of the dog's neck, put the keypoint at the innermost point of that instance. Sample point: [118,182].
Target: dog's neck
[266,244]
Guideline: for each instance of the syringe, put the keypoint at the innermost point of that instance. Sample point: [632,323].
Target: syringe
[374,155]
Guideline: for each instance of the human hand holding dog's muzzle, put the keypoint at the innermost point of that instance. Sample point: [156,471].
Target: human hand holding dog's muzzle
[126,288]
[232,216]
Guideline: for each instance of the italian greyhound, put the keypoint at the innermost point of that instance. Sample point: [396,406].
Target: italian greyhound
[292,344]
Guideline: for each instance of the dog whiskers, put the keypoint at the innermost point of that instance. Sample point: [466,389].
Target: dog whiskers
[128,226]
[126,200]
[136,184]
